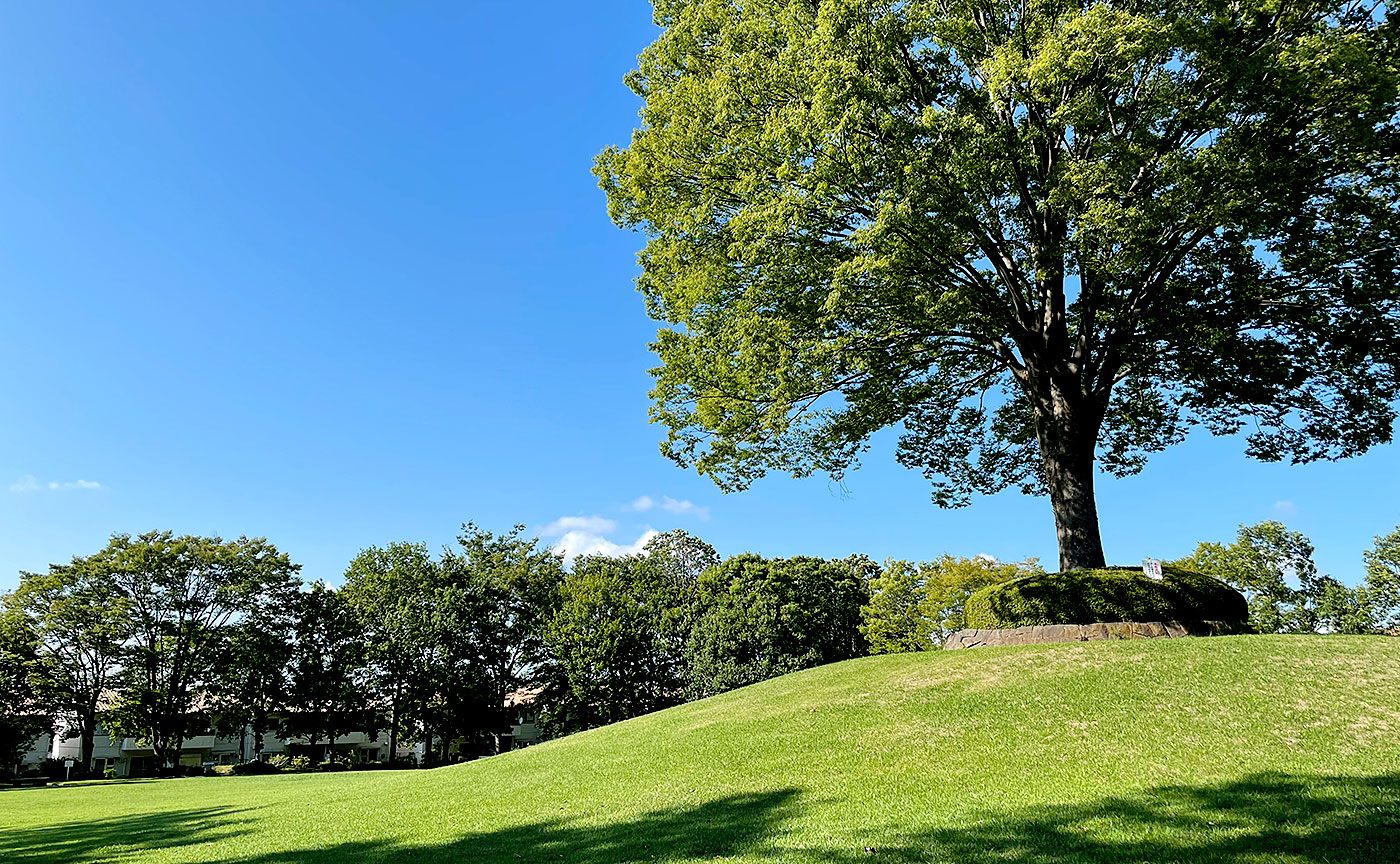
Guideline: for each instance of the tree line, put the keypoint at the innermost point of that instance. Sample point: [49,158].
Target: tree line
[159,637]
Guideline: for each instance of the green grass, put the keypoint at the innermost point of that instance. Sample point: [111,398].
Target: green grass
[1249,749]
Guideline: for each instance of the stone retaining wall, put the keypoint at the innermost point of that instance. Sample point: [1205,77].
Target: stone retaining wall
[1085,633]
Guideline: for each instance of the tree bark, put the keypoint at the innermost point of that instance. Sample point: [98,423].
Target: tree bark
[1067,448]
[394,725]
[87,731]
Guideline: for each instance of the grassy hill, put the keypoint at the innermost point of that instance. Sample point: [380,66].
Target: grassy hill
[1258,749]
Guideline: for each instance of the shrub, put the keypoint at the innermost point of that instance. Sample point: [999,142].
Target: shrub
[1110,594]
[52,769]
[300,763]
[110,774]
[256,767]
[330,766]
[278,761]
[224,770]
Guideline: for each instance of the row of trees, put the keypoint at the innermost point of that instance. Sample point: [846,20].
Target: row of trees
[1273,567]
[137,635]
[156,636]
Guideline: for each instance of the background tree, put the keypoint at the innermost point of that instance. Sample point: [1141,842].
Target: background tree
[1037,237]
[1379,594]
[1273,567]
[523,579]
[327,696]
[253,683]
[24,712]
[617,641]
[83,624]
[915,606]
[681,555]
[391,593]
[760,618]
[466,704]
[184,595]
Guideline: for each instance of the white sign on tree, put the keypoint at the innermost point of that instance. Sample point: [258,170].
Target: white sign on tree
[1152,568]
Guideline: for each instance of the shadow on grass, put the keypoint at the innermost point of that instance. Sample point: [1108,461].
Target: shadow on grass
[119,838]
[1338,820]
[720,828]
[1304,819]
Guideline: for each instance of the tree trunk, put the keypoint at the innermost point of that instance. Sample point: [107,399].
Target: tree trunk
[1067,448]
[394,725]
[87,730]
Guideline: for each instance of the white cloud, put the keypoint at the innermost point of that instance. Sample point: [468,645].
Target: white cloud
[575,543]
[684,508]
[579,524]
[641,505]
[1285,508]
[30,483]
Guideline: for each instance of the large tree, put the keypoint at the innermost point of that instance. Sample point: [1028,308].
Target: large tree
[83,623]
[1039,237]
[252,686]
[617,641]
[1273,567]
[1379,594]
[185,595]
[522,578]
[327,693]
[24,712]
[391,591]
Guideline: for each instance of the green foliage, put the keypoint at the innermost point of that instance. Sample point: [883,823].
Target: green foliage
[391,592]
[24,714]
[446,639]
[760,618]
[253,682]
[1029,235]
[1379,594]
[682,555]
[915,606]
[616,642]
[299,763]
[1273,567]
[278,761]
[83,622]
[1110,594]
[326,698]
[184,596]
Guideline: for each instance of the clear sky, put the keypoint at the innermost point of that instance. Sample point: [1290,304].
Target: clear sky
[339,275]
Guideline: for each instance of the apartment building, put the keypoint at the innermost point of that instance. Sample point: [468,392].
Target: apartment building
[130,757]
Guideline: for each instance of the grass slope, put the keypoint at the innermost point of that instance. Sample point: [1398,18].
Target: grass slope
[1256,748]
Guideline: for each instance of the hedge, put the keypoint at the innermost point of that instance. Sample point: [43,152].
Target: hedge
[1110,594]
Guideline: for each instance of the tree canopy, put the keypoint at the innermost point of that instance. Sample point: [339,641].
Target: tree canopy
[1037,237]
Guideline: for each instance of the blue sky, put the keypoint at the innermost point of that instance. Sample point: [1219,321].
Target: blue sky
[339,275]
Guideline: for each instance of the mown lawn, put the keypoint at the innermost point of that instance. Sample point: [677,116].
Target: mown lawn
[1249,749]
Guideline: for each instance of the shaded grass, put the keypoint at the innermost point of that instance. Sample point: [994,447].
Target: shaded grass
[1258,749]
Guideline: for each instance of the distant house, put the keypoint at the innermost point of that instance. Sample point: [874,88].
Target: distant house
[36,754]
[131,757]
[525,728]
